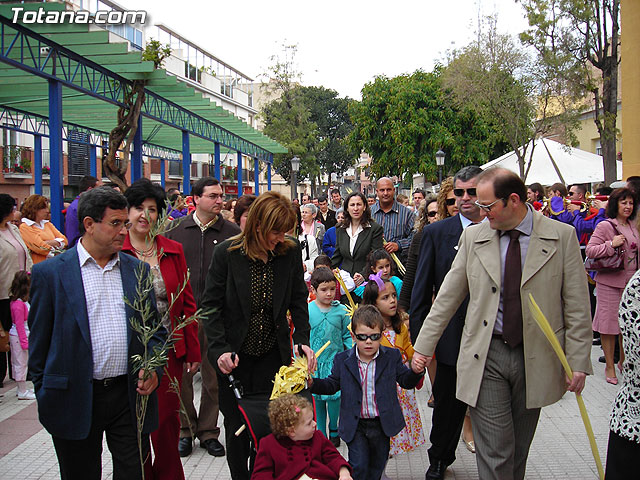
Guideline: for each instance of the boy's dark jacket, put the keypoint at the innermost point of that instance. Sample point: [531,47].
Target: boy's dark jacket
[345,376]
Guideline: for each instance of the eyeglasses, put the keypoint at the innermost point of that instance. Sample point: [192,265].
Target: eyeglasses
[571,194]
[432,214]
[487,208]
[450,201]
[374,337]
[459,192]
[117,224]
[213,196]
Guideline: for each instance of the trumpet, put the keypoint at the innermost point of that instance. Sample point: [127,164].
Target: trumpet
[584,206]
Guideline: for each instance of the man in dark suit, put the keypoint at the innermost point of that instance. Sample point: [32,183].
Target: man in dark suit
[81,345]
[437,251]
[326,216]
[199,233]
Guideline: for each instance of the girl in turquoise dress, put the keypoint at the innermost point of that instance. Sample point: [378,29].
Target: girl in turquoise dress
[329,322]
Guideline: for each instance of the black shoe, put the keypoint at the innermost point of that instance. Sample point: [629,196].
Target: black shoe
[615,359]
[597,341]
[335,441]
[436,471]
[185,446]
[213,447]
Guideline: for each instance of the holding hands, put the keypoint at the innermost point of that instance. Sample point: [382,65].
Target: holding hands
[420,362]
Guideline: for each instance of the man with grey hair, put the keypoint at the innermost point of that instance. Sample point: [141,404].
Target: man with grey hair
[438,248]
[396,220]
[82,344]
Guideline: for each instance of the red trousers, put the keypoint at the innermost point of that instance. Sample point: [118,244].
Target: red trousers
[166,459]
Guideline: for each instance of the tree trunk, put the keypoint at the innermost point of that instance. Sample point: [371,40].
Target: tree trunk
[116,169]
[610,114]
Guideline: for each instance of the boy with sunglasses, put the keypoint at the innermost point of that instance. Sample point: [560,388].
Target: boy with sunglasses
[370,413]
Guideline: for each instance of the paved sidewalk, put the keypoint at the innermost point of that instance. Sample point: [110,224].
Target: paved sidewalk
[560,449]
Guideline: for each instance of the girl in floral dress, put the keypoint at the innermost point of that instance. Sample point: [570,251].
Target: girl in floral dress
[382,293]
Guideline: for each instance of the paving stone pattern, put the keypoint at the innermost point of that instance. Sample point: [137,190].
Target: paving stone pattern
[560,449]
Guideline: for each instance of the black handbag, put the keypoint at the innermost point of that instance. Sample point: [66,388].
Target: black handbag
[612,263]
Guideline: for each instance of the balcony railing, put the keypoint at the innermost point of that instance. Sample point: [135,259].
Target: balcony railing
[230,174]
[16,159]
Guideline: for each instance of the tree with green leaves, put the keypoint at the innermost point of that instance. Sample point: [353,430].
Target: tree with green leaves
[402,121]
[287,118]
[580,40]
[312,122]
[331,116]
[519,98]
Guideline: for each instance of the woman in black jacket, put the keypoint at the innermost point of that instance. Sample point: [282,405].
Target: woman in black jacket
[357,236]
[254,279]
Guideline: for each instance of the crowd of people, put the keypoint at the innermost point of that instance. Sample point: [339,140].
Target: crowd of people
[241,286]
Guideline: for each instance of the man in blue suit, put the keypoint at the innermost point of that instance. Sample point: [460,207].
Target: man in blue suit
[437,250]
[81,345]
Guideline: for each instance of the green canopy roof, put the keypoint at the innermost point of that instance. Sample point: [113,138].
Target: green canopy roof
[28,92]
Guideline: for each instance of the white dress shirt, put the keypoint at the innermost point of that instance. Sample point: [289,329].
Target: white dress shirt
[104,296]
[353,237]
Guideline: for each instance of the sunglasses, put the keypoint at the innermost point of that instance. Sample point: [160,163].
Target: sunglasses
[450,201]
[374,337]
[432,214]
[459,192]
[487,208]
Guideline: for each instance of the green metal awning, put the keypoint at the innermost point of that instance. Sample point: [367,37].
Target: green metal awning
[24,91]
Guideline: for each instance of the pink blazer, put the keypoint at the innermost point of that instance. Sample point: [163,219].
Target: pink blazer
[600,246]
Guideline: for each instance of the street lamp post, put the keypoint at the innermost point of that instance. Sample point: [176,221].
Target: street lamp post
[295,167]
[440,163]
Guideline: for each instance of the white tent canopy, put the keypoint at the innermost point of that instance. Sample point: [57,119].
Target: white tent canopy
[554,162]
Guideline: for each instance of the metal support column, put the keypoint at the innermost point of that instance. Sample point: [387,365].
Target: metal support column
[163,172]
[93,162]
[55,152]
[269,163]
[136,158]
[256,175]
[186,164]
[37,163]
[239,174]
[216,160]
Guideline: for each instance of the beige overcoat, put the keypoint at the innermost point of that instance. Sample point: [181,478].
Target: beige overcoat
[553,272]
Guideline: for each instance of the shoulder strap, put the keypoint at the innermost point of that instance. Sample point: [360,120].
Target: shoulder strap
[614,227]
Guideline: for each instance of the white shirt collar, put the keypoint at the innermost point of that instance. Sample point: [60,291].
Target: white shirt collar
[466,222]
[84,256]
[358,230]
[31,223]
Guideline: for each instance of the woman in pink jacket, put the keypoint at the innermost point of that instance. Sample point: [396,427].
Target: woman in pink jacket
[621,211]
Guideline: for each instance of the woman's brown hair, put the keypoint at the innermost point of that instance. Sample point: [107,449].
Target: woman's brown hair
[270,212]
[32,204]
[445,187]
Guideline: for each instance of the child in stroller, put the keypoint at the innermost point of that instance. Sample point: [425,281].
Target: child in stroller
[296,449]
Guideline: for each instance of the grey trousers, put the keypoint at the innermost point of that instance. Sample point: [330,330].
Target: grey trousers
[205,423]
[503,427]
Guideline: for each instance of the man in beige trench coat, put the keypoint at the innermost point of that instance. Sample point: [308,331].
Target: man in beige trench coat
[506,377]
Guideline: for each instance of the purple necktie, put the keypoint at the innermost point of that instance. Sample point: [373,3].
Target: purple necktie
[511,304]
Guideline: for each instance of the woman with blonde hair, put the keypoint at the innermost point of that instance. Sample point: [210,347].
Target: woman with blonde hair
[254,279]
[38,233]
[446,200]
